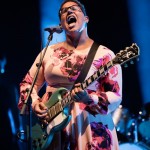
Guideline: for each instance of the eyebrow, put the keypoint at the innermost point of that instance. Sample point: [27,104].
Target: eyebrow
[70,6]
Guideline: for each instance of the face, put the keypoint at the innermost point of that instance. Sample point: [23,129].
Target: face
[72,17]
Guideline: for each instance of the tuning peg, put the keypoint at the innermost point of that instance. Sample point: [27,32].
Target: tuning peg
[125,65]
[131,62]
[127,48]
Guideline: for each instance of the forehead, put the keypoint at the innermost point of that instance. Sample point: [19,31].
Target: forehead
[68,4]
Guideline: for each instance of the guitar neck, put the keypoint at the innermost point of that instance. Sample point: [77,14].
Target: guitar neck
[122,57]
[102,71]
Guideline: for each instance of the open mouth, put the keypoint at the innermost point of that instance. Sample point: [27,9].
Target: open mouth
[71,19]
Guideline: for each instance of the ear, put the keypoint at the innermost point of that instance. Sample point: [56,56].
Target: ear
[86,19]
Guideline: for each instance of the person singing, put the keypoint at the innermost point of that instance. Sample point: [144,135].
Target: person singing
[91,126]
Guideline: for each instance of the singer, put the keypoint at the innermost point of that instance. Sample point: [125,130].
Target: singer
[80,115]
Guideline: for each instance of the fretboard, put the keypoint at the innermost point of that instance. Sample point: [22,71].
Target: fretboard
[60,105]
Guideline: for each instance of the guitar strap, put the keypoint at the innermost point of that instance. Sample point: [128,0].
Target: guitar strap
[87,63]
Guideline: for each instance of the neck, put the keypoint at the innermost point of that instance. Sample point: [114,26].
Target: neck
[75,39]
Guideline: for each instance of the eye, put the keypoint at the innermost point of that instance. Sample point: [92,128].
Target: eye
[63,10]
[73,8]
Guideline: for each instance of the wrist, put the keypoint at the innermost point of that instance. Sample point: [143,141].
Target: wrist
[35,102]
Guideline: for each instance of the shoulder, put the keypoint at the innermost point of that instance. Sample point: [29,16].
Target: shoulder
[53,48]
[104,50]
[56,45]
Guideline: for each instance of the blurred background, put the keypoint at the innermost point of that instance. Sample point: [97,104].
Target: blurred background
[115,24]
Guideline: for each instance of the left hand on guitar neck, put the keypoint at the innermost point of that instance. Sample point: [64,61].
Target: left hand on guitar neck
[80,95]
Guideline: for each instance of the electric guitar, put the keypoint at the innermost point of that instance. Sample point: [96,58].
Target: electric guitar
[59,117]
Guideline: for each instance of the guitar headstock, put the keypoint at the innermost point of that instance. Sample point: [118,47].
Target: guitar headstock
[127,55]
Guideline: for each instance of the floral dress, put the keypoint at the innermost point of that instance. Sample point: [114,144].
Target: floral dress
[91,125]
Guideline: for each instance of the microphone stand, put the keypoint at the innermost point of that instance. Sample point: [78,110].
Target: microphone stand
[28,101]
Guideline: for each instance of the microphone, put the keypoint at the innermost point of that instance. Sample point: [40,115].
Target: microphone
[57,29]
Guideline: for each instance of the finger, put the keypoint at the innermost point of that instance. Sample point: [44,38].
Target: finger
[75,90]
[42,106]
[38,110]
[73,93]
[42,115]
[78,85]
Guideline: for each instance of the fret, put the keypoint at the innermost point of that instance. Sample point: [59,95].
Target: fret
[109,64]
[102,70]
[84,85]
[89,80]
[105,69]
[62,103]
[52,111]
[92,78]
[49,113]
[69,97]
[66,101]
[95,76]
[98,73]
[86,82]
[58,107]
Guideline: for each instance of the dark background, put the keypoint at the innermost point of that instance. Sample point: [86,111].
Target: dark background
[21,42]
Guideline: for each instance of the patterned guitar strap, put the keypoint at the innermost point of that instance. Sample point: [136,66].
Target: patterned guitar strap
[87,63]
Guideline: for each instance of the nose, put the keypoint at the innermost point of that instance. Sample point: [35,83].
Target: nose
[69,9]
